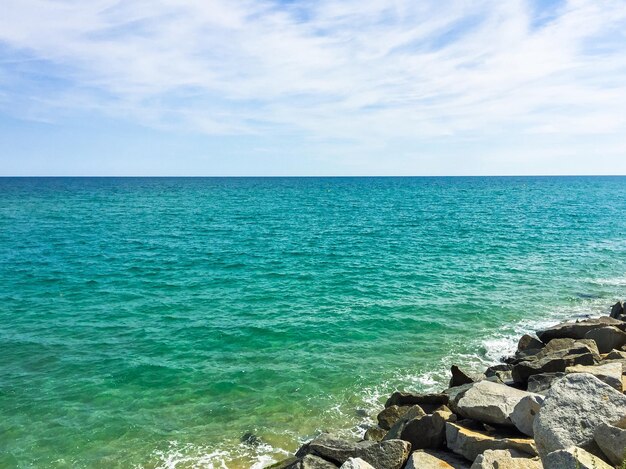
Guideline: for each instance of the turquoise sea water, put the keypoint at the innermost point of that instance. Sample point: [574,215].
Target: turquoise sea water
[154,322]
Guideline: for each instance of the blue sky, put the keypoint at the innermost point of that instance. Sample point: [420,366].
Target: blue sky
[368,87]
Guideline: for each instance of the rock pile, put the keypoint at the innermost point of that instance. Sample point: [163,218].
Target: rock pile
[558,403]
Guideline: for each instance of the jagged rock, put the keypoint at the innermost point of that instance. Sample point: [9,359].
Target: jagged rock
[573,408]
[607,338]
[470,443]
[524,413]
[427,459]
[311,461]
[617,310]
[396,430]
[390,415]
[578,329]
[500,373]
[573,458]
[550,364]
[610,373]
[612,440]
[291,462]
[389,454]
[488,402]
[541,383]
[428,402]
[356,463]
[505,459]
[615,355]
[374,433]
[528,342]
[428,431]
[459,377]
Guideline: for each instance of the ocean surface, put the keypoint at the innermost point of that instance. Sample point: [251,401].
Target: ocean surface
[215,322]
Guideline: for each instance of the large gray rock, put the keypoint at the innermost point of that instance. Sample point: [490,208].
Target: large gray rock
[505,459]
[541,383]
[428,459]
[572,410]
[390,454]
[524,413]
[428,431]
[607,338]
[428,402]
[550,364]
[488,402]
[356,463]
[390,415]
[311,461]
[569,347]
[396,430]
[573,458]
[528,342]
[460,377]
[612,440]
[470,443]
[374,433]
[578,329]
[617,310]
[609,373]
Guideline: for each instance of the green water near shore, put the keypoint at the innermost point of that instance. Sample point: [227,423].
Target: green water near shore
[153,322]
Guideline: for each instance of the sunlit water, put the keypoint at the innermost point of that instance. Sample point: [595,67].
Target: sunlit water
[154,322]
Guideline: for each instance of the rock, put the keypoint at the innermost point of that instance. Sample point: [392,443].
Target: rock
[390,454]
[488,402]
[617,310]
[250,439]
[356,463]
[573,408]
[607,338]
[550,364]
[528,342]
[505,459]
[573,458]
[374,433]
[470,443]
[425,459]
[390,415]
[610,373]
[459,377]
[428,402]
[501,373]
[290,463]
[570,347]
[396,430]
[612,440]
[615,355]
[541,383]
[315,462]
[428,431]
[578,329]
[524,413]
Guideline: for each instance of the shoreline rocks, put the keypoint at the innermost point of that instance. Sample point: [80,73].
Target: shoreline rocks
[558,402]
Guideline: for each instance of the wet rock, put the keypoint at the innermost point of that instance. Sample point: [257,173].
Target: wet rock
[617,310]
[428,431]
[573,458]
[396,430]
[607,338]
[524,413]
[541,383]
[488,402]
[460,377]
[428,402]
[374,433]
[250,439]
[470,443]
[572,410]
[528,342]
[356,463]
[315,462]
[291,462]
[390,415]
[612,440]
[505,459]
[610,373]
[578,329]
[428,459]
[550,364]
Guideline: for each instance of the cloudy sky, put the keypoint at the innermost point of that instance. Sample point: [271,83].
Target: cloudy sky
[352,87]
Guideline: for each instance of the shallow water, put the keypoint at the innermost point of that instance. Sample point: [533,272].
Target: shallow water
[154,322]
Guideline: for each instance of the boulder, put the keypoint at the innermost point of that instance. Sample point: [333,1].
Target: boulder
[541,383]
[460,377]
[428,431]
[570,347]
[550,364]
[528,342]
[505,459]
[390,415]
[617,310]
[356,463]
[607,338]
[572,410]
[500,373]
[610,373]
[573,458]
[311,461]
[390,454]
[425,459]
[615,355]
[428,402]
[470,443]
[396,430]
[524,413]
[578,329]
[291,462]
[612,440]
[374,433]
[488,402]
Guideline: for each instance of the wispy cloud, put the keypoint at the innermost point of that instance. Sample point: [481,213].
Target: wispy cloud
[364,70]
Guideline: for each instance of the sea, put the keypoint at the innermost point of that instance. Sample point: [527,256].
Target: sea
[220,322]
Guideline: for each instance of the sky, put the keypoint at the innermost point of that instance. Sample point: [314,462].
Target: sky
[278,87]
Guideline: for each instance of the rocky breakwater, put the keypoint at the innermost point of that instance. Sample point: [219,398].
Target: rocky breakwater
[558,403]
